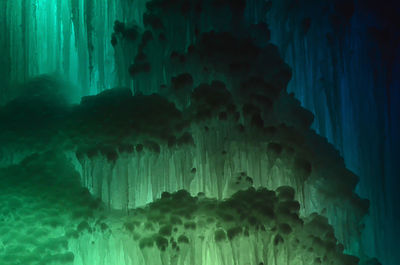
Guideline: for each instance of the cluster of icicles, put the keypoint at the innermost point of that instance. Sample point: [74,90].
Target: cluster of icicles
[218,166]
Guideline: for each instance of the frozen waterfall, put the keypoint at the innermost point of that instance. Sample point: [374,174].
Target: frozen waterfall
[143,105]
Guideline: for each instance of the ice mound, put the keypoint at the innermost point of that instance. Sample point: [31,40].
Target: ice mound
[42,203]
[251,227]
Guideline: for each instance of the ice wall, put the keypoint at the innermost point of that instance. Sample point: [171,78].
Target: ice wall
[345,72]
[69,38]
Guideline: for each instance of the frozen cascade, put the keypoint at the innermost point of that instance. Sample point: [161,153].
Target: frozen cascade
[219,166]
[216,156]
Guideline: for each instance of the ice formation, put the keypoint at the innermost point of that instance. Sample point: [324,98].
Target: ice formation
[199,155]
[48,218]
[350,50]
